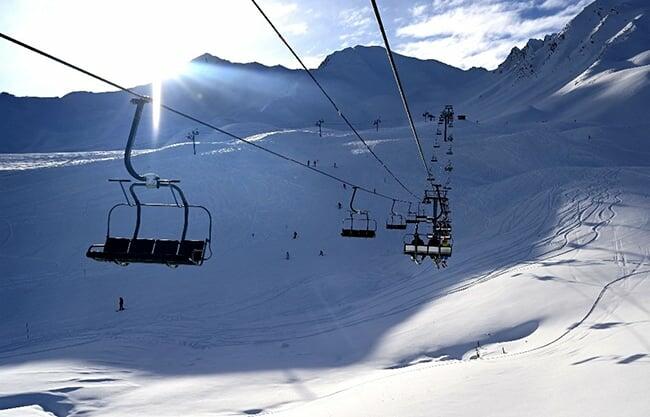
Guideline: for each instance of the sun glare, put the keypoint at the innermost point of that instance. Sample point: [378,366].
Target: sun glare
[156,95]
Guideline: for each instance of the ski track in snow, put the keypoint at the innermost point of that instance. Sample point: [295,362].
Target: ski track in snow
[571,221]
[565,218]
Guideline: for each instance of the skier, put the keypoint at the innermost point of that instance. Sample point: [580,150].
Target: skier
[335,165]
[417,241]
[308,162]
[295,235]
[287,255]
[121,304]
[340,205]
[321,253]
[345,186]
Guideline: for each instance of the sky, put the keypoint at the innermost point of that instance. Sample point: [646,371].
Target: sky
[137,41]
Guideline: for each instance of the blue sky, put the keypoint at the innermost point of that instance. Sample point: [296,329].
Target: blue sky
[136,41]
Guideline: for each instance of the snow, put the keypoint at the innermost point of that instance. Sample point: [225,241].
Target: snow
[542,311]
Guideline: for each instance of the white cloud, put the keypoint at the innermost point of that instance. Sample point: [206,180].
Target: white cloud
[467,33]
[358,22]
[418,10]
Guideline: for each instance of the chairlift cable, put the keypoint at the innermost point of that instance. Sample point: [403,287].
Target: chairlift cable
[194,119]
[391,60]
[330,99]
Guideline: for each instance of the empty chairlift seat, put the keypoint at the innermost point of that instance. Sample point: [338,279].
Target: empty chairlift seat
[359,224]
[363,226]
[162,251]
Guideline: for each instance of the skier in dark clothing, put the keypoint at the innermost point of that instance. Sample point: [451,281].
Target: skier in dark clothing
[295,235]
[340,205]
[121,304]
[321,253]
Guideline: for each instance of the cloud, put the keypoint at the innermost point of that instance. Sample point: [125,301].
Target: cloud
[468,33]
[418,10]
[357,23]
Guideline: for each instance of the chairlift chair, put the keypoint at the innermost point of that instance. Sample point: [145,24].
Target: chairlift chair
[126,250]
[411,216]
[396,221]
[135,249]
[434,248]
[414,248]
[350,224]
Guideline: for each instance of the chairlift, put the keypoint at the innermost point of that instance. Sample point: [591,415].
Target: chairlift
[436,144]
[422,217]
[435,248]
[429,196]
[449,151]
[126,250]
[433,158]
[415,247]
[449,167]
[396,221]
[350,228]
[411,216]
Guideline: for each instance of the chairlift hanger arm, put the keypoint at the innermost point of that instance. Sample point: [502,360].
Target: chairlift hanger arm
[139,102]
[354,193]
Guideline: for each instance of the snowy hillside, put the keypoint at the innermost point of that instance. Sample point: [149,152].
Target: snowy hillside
[598,66]
[542,311]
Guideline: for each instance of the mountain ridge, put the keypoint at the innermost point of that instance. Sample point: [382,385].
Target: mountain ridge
[597,65]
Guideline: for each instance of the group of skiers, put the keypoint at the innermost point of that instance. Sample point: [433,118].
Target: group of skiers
[295,236]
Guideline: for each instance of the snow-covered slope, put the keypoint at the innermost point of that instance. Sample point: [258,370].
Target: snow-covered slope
[542,310]
[549,276]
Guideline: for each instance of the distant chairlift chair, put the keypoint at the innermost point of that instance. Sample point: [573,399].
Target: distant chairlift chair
[437,247]
[359,224]
[396,221]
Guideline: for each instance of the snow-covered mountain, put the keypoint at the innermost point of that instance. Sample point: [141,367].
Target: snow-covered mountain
[231,95]
[596,67]
[541,312]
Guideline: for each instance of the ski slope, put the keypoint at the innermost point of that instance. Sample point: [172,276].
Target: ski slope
[543,310]
[549,276]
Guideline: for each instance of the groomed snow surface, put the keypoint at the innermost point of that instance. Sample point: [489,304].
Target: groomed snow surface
[543,311]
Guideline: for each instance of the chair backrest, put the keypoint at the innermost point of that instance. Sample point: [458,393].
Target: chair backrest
[116,245]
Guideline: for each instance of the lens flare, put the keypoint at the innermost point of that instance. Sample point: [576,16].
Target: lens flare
[156,96]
